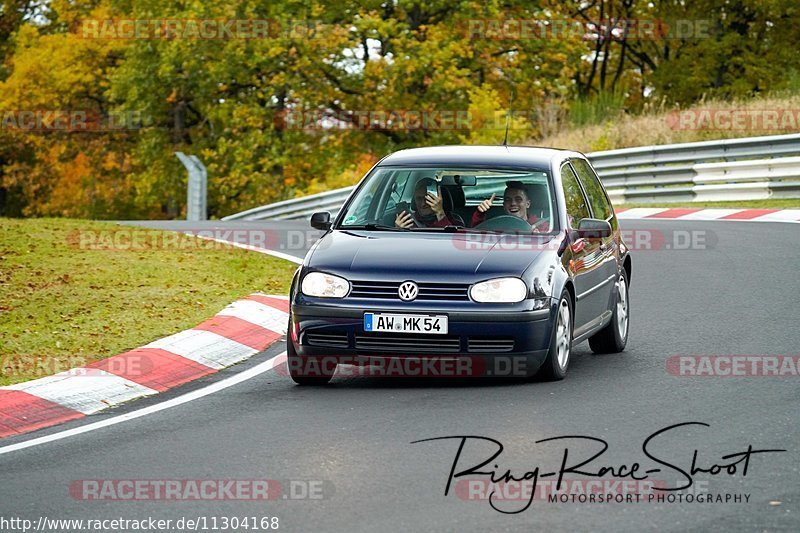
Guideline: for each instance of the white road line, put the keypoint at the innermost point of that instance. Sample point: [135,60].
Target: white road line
[194,395]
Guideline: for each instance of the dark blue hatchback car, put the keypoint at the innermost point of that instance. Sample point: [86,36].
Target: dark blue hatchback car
[486,260]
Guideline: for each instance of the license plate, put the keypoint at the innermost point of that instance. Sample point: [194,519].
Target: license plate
[430,324]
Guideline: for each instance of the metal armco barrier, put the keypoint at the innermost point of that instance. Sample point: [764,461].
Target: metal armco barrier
[752,168]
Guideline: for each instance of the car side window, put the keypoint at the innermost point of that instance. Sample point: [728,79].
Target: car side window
[398,188]
[594,190]
[577,209]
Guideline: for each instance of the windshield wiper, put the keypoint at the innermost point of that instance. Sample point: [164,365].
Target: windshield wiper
[375,227]
[385,227]
[450,228]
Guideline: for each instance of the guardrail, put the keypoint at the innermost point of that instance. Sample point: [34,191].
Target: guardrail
[758,179]
[751,168]
[297,208]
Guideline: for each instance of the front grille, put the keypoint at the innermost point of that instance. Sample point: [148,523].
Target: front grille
[489,344]
[408,343]
[327,340]
[387,290]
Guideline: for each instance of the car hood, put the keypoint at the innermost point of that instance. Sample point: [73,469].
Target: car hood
[406,255]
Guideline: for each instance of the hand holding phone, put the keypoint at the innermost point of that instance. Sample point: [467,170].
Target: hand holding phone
[433,188]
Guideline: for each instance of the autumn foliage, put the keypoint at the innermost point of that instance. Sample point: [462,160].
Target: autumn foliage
[301,106]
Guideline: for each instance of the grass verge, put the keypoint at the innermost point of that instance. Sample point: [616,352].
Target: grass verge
[661,125]
[63,306]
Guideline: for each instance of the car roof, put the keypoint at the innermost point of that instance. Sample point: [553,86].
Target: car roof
[522,157]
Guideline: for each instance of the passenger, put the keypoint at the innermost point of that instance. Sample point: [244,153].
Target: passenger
[515,203]
[429,211]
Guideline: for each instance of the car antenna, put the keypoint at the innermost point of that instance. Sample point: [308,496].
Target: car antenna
[508,117]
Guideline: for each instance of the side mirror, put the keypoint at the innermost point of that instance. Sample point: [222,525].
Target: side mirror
[321,220]
[592,228]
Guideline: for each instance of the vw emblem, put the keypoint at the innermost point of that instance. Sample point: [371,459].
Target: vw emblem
[408,291]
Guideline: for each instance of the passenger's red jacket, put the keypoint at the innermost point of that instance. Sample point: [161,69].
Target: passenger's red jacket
[446,221]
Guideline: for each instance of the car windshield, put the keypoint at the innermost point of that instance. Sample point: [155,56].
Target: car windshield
[453,199]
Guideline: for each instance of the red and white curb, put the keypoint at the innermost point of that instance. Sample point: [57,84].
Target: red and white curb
[739,215]
[241,330]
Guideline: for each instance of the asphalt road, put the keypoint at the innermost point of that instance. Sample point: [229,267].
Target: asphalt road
[351,441]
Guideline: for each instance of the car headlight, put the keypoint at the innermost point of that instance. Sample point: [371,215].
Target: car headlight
[324,285]
[499,290]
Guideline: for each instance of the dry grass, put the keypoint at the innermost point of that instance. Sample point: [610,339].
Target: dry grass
[663,126]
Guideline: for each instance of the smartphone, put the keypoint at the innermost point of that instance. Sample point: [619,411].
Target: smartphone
[433,188]
[403,206]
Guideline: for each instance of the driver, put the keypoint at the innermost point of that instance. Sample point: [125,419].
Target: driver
[515,203]
[429,211]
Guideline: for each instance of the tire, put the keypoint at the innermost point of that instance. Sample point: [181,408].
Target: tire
[298,366]
[614,337]
[556,363]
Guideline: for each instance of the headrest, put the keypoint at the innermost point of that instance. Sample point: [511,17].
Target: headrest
[456,194]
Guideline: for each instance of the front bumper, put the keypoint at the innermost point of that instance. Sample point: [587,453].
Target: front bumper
[489,339]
